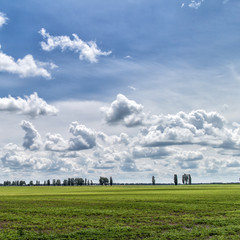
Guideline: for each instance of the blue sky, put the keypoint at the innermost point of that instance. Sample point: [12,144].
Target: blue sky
[127,89]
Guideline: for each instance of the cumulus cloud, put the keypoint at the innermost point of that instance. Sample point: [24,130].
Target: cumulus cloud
[87,50]
[32,139]
[125,111]
[195,3]
[85,138]
[154,153]
[188,159]
[129,165]
[15,158]
[123,138]
[25,67]
[189,156]
[32,106]
[197,127]
[164,143]
[3,19]
[55,142]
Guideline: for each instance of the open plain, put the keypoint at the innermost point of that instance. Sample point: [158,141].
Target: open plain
[121,212]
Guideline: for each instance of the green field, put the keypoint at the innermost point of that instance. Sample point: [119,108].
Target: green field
[120,212]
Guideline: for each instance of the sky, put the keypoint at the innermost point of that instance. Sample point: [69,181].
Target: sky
[129,89]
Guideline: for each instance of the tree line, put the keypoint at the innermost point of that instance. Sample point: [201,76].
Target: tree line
[57,182]
[103,181]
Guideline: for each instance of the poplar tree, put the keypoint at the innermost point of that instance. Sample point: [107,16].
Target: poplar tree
[153,180]
[175,179]
[111,181]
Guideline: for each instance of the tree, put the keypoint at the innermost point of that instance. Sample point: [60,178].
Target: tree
[189,179]
[58,182]
[22,183]
[79,181]
[103,181]
[72,181]
[153,180]
[186,179]
[31,183]
[7,183]
[175,179]
[54,182]
[111,181]
[48,182]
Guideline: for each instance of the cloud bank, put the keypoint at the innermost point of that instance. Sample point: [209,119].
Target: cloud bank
[32,106]
[162,143]
[87,50]
[25,67]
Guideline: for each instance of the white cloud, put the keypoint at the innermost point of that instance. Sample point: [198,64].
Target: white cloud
[197,127]
[3,19]
[188,159]
[32,106]
[129,165]
[25,67]
[55,142]
[132,88]
[32,139]
[87,50]
[189,156]
[151,152]
[85,138]
[17,159]
[167,144]
[195,3]
[125,111]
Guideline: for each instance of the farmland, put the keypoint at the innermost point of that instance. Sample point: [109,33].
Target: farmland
[121,212]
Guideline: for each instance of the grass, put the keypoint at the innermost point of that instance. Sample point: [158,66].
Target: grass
[120,212]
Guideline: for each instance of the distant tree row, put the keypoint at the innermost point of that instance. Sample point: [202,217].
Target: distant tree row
[186,179]
[57,182]
[54,182]
[14,183]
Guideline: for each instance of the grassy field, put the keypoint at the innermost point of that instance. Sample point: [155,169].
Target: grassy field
[120,212]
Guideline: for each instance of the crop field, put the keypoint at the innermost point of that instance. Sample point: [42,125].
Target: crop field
[120,212]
